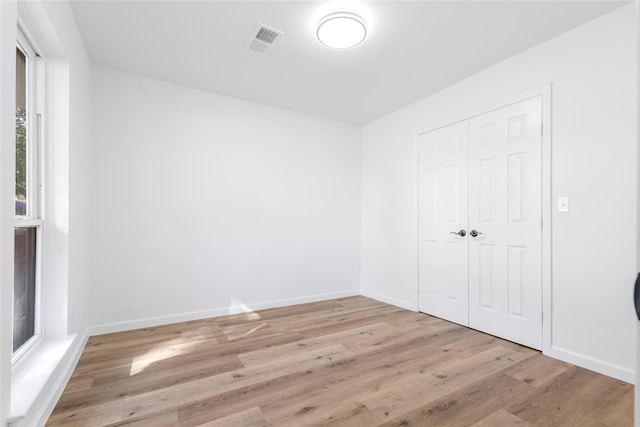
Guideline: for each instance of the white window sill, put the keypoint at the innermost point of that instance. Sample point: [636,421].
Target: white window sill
[30,376]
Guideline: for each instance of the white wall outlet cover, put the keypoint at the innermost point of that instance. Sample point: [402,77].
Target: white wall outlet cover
[563,204]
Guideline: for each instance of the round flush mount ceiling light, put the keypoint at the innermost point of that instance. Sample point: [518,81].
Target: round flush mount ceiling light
[341,30]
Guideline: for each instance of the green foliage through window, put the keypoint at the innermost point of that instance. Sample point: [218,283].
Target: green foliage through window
[21,154]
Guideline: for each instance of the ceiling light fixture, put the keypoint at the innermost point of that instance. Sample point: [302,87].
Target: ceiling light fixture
[341,30]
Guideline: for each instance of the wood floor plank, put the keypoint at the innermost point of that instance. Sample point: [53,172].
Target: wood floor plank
[467,405]
[348,413]
[194,394]
[196,390]
[79,383]
[367,335]
[358,376]
[607,394]
[167,418]
[300,319]
[501,418]
[133,385]
[250,418]
[146,359]
[575,397]
[200,391]
[100,414]
[619,414]
[347,362]
[133,341]
[145,404]
[333,324]
[538,370]
[413,391]
[251,330]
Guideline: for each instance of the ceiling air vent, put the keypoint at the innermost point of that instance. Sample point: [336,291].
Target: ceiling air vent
[263,38]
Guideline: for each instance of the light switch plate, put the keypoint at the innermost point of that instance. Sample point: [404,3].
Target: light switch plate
[563,204]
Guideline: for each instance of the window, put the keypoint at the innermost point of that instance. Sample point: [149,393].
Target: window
[28,221]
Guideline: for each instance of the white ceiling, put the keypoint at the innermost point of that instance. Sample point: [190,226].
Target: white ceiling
[414,48]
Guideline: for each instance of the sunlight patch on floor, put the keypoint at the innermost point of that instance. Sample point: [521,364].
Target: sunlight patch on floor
[240,331]
[168,349]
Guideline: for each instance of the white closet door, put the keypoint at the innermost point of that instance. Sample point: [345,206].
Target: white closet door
[505,264]
[443,210]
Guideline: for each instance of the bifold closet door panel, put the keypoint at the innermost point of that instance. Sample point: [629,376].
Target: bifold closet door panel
[443,218]
[505,202]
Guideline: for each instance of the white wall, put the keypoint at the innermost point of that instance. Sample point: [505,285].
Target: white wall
[202,203]
[592,70]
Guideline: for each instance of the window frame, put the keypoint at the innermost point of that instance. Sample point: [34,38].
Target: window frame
[34,176]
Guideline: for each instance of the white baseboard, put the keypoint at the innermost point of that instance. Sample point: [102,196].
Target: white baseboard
[215,312]
[148,322]
[37,413]
[618,372]
[383,298]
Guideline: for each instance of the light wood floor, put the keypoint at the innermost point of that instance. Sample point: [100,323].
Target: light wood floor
[346,362]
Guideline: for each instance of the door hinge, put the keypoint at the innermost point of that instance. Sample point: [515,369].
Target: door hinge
[542,223]
[541,129]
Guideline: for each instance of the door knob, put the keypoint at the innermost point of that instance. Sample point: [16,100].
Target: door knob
[460,233]
[474,233]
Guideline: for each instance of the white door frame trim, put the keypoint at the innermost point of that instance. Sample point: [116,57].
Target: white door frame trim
[547,205]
